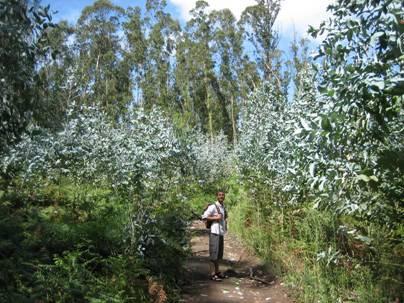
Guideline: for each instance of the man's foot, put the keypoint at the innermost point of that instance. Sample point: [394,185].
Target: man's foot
[216,278]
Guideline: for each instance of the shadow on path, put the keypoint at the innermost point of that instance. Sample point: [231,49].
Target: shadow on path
[247,280]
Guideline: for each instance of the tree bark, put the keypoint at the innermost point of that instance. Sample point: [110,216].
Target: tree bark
[233,121]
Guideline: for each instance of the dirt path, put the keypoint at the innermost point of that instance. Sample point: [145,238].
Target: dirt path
[247,281]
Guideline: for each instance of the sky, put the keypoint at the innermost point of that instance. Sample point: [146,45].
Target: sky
[295,15]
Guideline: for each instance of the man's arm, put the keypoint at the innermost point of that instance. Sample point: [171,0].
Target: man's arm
[217,217]
[210,216]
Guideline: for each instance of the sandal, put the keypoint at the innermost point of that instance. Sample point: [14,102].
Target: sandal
[216,278]
[221,275]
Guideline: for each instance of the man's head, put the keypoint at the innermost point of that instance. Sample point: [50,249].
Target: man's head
[220,195]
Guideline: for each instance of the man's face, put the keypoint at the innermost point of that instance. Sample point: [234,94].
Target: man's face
[220,196]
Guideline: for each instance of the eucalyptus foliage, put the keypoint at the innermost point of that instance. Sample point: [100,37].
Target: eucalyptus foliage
[132,155]
[344,147]
[276,144]
[23,41]
[362,80]
[122,203]
[262,131]
[211,159]
[338,148]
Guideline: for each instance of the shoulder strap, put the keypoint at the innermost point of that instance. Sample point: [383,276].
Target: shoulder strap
[218,210]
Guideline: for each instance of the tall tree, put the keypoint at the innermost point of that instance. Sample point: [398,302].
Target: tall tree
[228,49]
[299,64]
[135,52]
[362,84]
[183,83]
[163,31]
[105,80]
[201,65]
[258,24]
[56,87]
[23,41]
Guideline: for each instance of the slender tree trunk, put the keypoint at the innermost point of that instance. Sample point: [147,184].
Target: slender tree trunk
[210,118]
[96,65]
[106,94]
[96,79]
[84,90]
[233,121]
[208,106]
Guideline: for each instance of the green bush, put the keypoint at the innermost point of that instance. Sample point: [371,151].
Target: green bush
[321,255]
[72,243]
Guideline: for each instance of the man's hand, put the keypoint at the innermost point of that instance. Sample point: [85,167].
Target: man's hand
[218,217]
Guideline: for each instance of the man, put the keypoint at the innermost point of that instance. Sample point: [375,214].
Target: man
[216,214]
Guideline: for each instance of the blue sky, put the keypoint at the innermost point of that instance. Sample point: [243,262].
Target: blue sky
[70,10]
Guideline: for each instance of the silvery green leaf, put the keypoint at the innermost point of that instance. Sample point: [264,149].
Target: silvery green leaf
[312,168]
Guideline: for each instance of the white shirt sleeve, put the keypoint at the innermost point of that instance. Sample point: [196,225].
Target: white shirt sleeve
[210,211]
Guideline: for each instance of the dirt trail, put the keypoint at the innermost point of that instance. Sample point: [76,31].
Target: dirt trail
[247,280]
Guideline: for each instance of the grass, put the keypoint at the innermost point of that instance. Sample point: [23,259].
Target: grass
[70,242]
[313,254]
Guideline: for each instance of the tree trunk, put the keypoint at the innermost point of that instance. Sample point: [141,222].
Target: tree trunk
[208,106]
[233,121]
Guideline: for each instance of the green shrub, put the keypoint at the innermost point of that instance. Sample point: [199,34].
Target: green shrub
[321,255]
[69,243]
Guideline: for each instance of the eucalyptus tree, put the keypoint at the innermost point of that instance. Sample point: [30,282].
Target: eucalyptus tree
[163,30]
[228,49]
[184,73]
[211,160]
[213,74]
[135,51]
[277,143]
[210,46]
[299,63]
[300,143]
[201,65]
[23,42]
[361,79]
[105,81]
[189,73]
[138,154]
[258,22]
[262,133]
[358,166]
[56,86]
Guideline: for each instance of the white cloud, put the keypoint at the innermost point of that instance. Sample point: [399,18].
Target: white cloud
[236,6]
[298,15]
[294,14]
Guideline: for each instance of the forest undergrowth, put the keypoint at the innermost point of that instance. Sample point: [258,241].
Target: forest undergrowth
[316,252]
[117,131]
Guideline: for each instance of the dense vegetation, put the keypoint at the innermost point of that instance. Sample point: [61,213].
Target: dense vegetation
[116,130]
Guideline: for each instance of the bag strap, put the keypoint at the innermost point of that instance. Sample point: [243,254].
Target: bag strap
[218,210]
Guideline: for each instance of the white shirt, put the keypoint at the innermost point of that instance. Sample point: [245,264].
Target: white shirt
[217,227]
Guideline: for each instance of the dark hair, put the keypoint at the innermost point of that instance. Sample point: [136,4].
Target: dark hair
[220,191]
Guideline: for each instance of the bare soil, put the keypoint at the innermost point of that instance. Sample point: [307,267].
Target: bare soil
[247,280]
